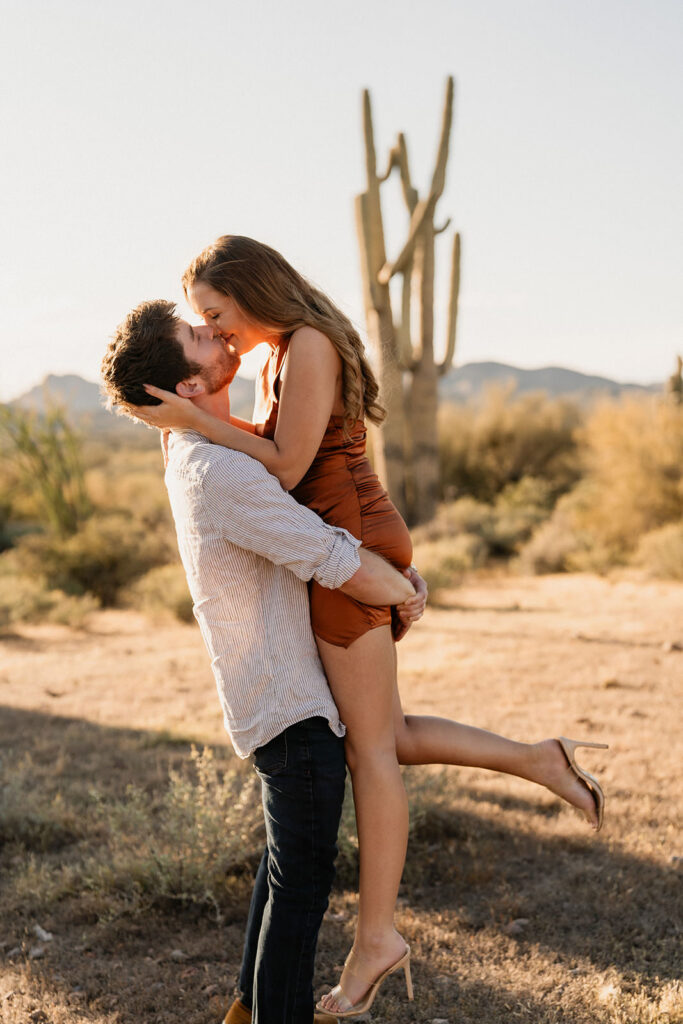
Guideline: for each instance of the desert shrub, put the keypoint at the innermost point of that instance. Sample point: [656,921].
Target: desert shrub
[517,512]
[25,599]
[29,819]
[466,533]
[104,556]
[442,562]
[163,591]
[182,846]
[562,544]
[132,481]
[661,552]
[632,454]
[5,524]
[633,458]
[554,543]
[498,441]
[466,515]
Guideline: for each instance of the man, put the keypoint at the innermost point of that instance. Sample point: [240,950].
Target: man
[247,548]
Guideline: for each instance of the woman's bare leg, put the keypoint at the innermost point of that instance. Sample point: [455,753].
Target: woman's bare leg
[362,678]
[423,739]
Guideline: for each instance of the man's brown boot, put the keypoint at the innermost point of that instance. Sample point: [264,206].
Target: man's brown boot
[239,1014]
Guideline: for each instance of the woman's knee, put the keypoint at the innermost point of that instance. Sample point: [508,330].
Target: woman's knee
[371,758]
[405,741]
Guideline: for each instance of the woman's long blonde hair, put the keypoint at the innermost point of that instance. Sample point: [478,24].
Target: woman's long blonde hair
[269,290]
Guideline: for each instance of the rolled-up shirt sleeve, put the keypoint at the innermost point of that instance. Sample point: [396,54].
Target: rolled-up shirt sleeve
[247,505]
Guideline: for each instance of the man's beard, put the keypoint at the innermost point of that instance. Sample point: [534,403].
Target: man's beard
[222,372]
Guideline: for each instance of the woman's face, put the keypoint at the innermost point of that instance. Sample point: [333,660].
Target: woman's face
[224,315]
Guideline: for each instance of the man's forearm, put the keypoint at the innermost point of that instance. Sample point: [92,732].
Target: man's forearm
[377,582]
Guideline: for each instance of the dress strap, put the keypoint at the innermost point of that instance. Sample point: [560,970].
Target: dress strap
[280,356]
[268,391]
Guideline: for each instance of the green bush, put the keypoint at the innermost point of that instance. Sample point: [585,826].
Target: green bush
[466,515]
[442,562]
[554,543]
[25,599]
[498,441]
[131,481]
[106,555]
[163,591]
[466,533]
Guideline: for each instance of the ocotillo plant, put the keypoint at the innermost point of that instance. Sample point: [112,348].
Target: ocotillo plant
[46,451]
[405,447]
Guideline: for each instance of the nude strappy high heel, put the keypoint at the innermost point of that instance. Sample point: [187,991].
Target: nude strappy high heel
[350,1010]
[592,784]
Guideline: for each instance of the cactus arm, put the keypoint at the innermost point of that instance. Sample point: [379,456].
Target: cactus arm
[423,210]
[409,193]
[444,366]
[394,158]
[369,136]
[439,178]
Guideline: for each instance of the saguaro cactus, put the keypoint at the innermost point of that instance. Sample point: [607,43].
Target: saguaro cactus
[405,448]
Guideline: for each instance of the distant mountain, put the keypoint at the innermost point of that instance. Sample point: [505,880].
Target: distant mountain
[468,381]
[83,399]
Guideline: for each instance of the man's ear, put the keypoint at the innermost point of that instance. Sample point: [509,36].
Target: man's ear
[190,388]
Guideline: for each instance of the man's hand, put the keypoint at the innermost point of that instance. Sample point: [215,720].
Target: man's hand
[412,609]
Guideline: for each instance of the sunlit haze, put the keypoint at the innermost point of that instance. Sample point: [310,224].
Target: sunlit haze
[135,133]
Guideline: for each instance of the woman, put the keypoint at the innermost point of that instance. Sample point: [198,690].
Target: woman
[313,394]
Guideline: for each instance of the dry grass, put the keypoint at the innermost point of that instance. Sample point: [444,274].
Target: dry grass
[119,704]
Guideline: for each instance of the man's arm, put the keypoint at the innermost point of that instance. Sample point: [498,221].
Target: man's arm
[377,582]
[247,506]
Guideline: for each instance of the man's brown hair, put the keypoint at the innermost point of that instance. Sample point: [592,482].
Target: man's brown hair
[145,350]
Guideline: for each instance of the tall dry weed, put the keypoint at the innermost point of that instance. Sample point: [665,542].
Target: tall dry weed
[631,490]
[633,457]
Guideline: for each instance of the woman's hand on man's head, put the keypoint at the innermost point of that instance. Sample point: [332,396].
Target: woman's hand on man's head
[173,412]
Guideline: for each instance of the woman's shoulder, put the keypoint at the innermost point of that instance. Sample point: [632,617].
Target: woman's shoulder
[311,344]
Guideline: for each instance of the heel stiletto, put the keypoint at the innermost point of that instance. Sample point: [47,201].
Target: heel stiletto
[350,1010]
[591,783]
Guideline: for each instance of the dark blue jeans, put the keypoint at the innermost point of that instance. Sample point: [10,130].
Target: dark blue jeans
[302,785]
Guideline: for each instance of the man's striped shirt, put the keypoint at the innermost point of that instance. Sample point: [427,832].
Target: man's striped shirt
[247,547]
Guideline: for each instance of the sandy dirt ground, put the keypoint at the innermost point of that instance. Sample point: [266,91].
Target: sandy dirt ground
[530,657]
[588,657]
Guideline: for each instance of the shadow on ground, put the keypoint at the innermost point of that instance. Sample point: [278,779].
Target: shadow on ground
[585,900]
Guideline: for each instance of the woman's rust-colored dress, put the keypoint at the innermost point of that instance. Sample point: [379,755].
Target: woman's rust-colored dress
[341,486]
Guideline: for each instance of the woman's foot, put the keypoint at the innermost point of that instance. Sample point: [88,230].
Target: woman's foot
[363,966]
[553,771]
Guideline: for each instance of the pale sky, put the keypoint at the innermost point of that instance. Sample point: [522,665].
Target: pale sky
[134,133]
